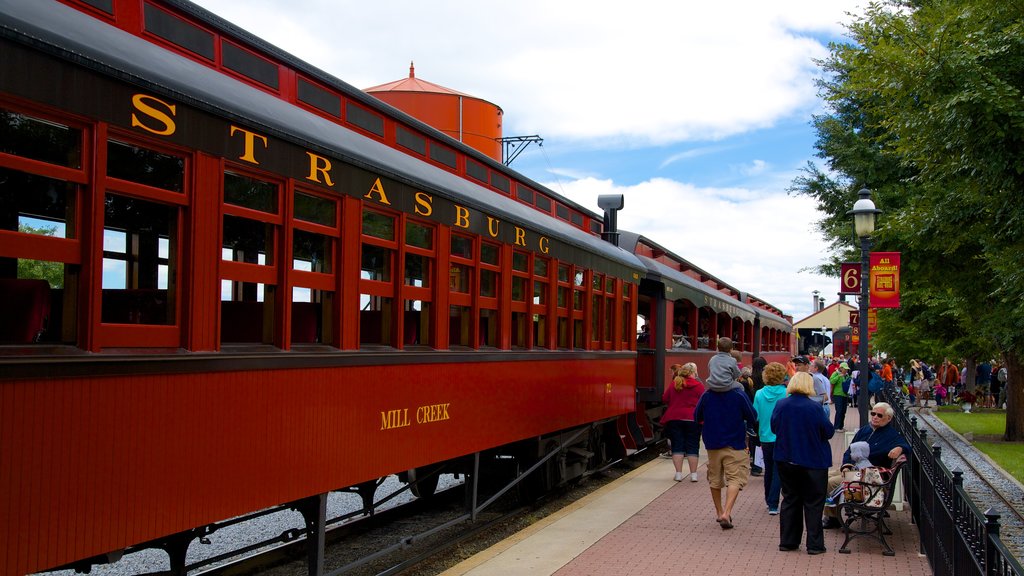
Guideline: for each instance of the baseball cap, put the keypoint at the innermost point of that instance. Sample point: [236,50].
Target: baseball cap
[800,360]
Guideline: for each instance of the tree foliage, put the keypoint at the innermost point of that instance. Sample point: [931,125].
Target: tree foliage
[926,110]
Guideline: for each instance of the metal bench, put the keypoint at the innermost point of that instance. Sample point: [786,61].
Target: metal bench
[859,518]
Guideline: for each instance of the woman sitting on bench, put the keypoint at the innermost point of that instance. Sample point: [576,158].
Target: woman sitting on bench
[886,445]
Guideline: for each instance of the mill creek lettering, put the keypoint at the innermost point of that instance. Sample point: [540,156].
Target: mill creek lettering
[399,418]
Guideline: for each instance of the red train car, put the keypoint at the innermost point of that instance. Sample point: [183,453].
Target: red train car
[232,281]
[686,310]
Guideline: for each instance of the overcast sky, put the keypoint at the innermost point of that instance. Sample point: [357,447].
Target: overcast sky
[697,112]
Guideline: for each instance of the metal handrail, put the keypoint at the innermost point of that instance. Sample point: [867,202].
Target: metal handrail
[956,535]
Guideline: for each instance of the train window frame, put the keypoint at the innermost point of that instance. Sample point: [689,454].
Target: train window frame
[438,153]
[266,277]
[135,334]
[64,252]
[92,9]
[311,105]
[384,292]
[359,117]
[256,59]
[319,285]
[211,60]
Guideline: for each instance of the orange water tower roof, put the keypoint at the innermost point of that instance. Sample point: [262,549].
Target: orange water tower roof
[414,84]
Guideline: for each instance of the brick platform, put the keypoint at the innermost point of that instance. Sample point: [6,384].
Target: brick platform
[646,523]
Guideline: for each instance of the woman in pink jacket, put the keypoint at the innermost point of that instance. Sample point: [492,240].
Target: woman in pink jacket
[680,427]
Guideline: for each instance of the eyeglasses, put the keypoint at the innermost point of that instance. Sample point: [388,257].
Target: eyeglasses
[879,414]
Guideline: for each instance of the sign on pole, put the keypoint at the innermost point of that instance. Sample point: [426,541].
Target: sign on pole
[849,278]
[885,280]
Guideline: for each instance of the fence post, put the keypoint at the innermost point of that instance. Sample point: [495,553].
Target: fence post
[991,533]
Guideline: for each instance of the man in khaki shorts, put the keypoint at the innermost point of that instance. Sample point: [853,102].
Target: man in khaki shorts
[725,416]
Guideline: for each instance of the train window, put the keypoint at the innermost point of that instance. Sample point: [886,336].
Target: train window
[37,205]
[459,278]
[579,342]
[525,194]
[596,227]
[145,166]
[520,261]
[562,211]
[489,328]
[311,315]
[419,235]
[543,202]
[519,333]
[39,139]
[378,225]
[563,297]
[319,98]
[576,218]
[519,288]
[460,320]
[462,247]
[540,292]
[249,65]
[418,270]
[376,263]
[140,241]
[609,312]
[563,273]
[364,119]
[476,170]
[250,193]
[489,283]
[312,252]
[595,317]
[563,332]
[540,267]
[376,314]
[412,141]
[609,285]
[104,5]
[417,323]
[598,282]
[178,31]
[249,241]
[489,253]
[442,154]
[315,209]
[540,331]
[501,182]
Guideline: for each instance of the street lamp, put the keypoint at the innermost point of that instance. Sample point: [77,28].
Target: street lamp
[864,214]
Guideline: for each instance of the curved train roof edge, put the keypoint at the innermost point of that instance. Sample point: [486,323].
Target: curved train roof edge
[683,285]
[55,27]
[363,97]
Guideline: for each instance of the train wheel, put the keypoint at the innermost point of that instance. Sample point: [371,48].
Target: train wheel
[423,481]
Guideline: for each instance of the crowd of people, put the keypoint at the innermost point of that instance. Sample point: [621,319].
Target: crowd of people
[776,421]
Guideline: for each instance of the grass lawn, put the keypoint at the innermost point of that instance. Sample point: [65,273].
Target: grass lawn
[987,425]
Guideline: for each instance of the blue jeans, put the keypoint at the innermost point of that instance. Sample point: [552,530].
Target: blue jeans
[772,484]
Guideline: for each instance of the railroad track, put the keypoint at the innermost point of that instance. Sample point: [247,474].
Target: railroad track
[403,539]
[988,486]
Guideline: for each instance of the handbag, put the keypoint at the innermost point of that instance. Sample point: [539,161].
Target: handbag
[855,491]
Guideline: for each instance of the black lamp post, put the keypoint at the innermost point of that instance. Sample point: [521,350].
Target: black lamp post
[864,213]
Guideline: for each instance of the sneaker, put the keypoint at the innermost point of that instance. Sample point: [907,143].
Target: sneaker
[693,477]
[679,476]
[773,511]
[665,455]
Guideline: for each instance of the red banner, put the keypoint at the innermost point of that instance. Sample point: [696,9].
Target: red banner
[872,320]
[885,280]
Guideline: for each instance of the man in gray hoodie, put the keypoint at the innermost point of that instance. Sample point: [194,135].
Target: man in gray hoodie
[723,369]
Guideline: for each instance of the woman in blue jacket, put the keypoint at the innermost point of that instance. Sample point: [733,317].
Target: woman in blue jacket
[802,457]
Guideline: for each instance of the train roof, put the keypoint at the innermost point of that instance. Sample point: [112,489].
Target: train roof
[63,31]
[680,285]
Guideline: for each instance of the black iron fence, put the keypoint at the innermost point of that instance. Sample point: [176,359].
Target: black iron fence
[958,538]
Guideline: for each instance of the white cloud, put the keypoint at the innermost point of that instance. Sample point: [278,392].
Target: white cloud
[602,77]
[593,72]
[756,240]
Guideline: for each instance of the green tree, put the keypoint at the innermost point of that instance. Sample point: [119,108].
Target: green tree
[927,111]
[52,272]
